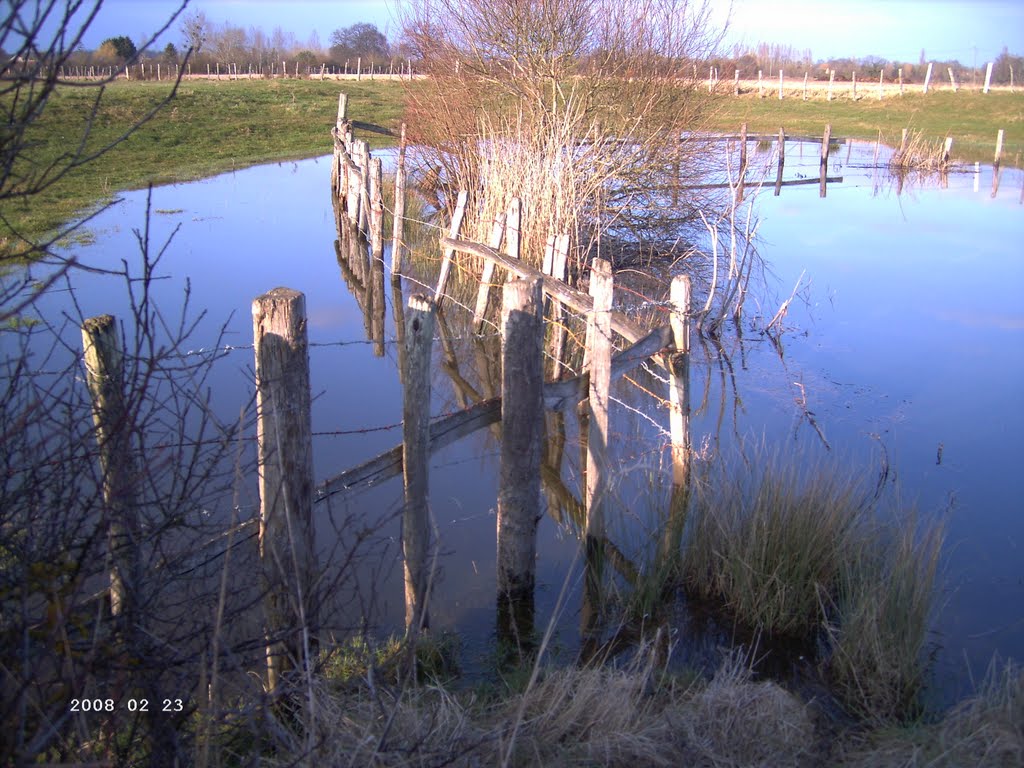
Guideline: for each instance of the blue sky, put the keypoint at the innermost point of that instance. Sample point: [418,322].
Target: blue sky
[892,29]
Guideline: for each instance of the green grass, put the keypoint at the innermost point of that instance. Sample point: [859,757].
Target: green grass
[210,127]
[970,117]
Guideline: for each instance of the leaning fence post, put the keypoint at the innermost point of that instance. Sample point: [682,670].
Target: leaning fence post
[398,223]
[449,253]
[419,339]
[522,427]
[487,273]
[285,468]
[103,355]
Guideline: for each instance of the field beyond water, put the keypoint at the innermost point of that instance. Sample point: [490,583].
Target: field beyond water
[214,126]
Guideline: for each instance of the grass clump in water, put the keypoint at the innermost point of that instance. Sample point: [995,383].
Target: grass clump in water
[807,556]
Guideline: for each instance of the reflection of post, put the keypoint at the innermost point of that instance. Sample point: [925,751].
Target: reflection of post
[103,356]
[824,158]
[782,161]
[522,425]
[285,466]
[419,338]
[679,418]
[398,223]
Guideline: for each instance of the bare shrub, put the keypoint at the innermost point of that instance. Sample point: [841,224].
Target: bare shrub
[585,103]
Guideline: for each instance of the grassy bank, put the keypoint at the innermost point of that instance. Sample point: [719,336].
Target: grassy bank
[209,127]
[216,126]
[970,117]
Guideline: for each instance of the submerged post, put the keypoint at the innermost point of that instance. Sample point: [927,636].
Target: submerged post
[679,419]
[522,427]
[103,356]
[285,468]
[599,353]
[419,339]
[824,158]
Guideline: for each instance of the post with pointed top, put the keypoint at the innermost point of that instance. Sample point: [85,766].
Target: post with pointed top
[285,468]
[522,426]
[419,340]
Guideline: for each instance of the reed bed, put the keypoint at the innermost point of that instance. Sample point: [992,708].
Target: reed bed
[917,153]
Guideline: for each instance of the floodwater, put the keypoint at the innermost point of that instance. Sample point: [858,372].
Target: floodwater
[903,351]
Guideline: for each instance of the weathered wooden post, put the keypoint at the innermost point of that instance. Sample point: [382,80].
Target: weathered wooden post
[782,161]
[103,357]
[854,85]
[952,79]
[559,263]
[824,159]
[946,149]
[899,74]
[743,163]
[988,77]
[780,84]
[736,83]
[831,80]
[999,151]
[760,85]
[398,218]
[376,210]
[599,352]
[522,427]
[363,151]
[449,253]
[342,111]
[419,340]
[805,86]
[285,467]
[881,84]
[679,418]
[927,76]
[487,274]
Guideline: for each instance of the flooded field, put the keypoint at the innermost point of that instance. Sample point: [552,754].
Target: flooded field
[901,360]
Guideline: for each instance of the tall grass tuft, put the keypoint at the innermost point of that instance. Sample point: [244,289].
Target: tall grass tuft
[771,546]
[806,556]
[885,601]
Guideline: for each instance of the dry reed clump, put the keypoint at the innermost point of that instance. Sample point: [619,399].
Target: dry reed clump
[916,153]
[986,730]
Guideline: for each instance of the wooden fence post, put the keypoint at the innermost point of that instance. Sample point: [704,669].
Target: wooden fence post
[824,159]
[342,110]
[376,210]
[952,79]
[398,228]
[831,80]
[760,85]
[285,467]
[780,84]
[743,163]
[363,150]
[782,161]
[449,253]
[419,340]
[855,85]
[522,428]
[736,83]
[599,351]
[988,77]
[487,274]
[927,76]
[559,263]
[679,418]
[881,84]
[999,150]
[103,357]
[805,86]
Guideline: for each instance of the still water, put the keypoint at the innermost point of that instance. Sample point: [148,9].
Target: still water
[904,348]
